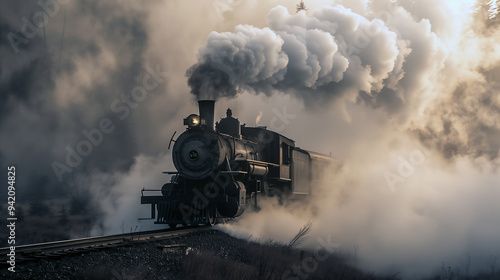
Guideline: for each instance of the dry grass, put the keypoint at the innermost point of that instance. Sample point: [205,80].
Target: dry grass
[268,261]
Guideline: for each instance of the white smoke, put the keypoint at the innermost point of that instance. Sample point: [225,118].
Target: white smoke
[333,52]
[257,120]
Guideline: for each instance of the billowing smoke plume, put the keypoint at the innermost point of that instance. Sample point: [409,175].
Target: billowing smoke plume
[333,52]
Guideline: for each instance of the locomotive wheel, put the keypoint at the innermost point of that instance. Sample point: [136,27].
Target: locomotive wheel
[211,216]
[172,225]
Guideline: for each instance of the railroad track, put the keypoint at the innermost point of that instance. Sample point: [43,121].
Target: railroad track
[57,249]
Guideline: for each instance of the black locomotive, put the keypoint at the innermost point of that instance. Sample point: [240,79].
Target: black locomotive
[223,171]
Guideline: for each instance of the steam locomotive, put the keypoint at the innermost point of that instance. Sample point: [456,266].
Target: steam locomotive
[223,171]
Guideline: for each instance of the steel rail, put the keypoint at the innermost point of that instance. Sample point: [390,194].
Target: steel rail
[64,247]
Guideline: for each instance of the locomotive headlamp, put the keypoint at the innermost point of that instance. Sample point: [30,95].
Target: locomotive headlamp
[192,121]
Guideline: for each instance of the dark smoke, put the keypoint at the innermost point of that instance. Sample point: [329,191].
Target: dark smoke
[209,83]
[43,109]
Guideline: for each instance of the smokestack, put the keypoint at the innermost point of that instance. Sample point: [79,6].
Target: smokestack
[207,112]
